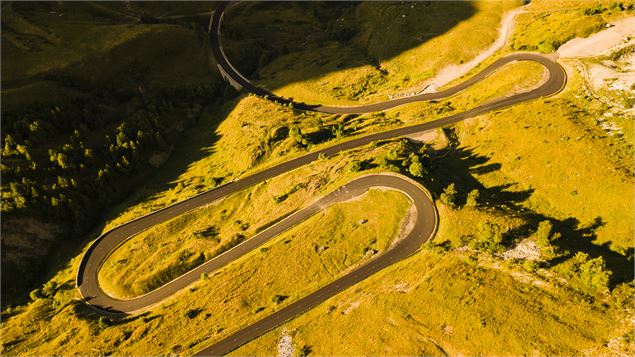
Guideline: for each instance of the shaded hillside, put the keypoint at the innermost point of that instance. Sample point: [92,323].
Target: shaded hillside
[94,96]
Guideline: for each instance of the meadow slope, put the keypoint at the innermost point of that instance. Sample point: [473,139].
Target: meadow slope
[533,253]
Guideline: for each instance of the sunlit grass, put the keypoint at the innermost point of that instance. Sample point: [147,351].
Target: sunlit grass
[324,75]
[227,300]
[555,148]
[162,252]
[440,301]
[446,304]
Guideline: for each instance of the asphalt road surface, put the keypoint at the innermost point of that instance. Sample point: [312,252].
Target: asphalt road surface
[423,230]
[102,247]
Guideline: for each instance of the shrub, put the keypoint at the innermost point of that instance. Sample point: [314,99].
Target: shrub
[449,196]
[597,9]
[593,275]
[280,198]
[472,198]
[544,239]
[279,298]
[356,166]
[488,238]
[234,241]
[300,138]
[49,289]
[623,295]
[530,265]
[103,322]
[543,233]
[416,169]
[208,233]
[283,196]
[590,276]
[192,313]
[305,351]
[337,130]
[383,162]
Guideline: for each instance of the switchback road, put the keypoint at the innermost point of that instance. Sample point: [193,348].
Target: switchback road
[102,247]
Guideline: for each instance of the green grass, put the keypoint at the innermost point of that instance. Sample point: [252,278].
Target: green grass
[382,57]
[446,299]
[161,253]
[245,139]
[339,244]
[552,149]
[124,277]
[559,152]
[548,24]
[498,290]
[439,303]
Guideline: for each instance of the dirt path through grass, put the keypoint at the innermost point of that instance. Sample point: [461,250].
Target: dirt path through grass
[620,34]
[452,72]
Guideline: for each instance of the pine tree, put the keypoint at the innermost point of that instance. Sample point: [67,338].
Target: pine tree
[449,196]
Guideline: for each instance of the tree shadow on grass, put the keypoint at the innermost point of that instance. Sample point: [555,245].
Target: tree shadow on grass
[580,238]
[254,34]
[460,165]
[575,238]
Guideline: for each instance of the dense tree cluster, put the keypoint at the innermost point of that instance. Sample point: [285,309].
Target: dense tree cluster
[408,157]
[63,160]
[66,162]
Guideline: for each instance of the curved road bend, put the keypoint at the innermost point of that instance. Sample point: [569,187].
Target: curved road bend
[101,248]
[423,230]
[97,254]
[556,81]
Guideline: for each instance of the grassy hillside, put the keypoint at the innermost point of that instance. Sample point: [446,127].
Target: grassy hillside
[439,303]
[363,51]
[453,164]
[533,253]
[166,251]
[159,254]
[555,161]
[250,134]
[548,24]
[341,243]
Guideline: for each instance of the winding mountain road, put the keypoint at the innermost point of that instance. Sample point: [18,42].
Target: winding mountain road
[423,230]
